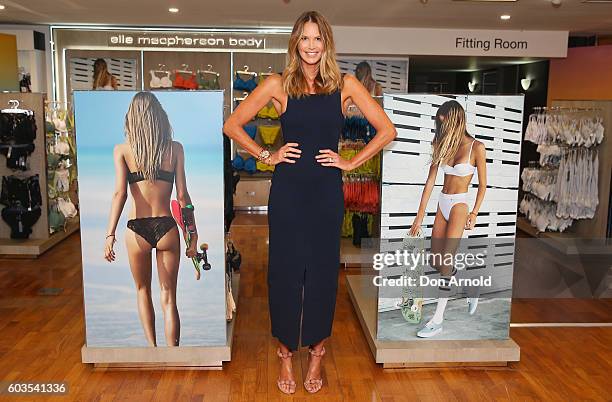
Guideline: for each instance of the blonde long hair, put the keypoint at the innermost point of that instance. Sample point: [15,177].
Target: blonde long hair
[101,76]
[329,78]
[148,133]
[449,132]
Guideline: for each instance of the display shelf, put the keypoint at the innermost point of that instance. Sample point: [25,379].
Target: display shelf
[423,353]
[40,240]
[32,248]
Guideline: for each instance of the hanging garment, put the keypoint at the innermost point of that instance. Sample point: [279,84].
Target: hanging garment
[66,207]
[244,85]
[269,134]
[163,82]
[61,147]
[250,166]
[357,128]
[17,128]
[576,188]
[268,112]
[251,130]
[238,162]
[182,82]
[21,191]
[17,155]
[207,81]
[262,167]
[542,214]
[62,180]
[21,220]
[57,220]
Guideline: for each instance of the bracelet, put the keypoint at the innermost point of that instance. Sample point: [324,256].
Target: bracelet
[107,236]
[473,213]
[264,155]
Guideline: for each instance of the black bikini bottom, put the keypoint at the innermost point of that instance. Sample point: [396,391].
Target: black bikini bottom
[152,229]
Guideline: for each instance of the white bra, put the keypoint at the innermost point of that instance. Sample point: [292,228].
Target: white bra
[461,169]
[163,82]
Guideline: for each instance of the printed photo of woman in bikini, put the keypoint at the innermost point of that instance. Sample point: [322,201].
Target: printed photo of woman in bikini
[150,164]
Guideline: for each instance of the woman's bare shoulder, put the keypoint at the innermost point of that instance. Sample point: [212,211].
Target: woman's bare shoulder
[120,149]
[273,83]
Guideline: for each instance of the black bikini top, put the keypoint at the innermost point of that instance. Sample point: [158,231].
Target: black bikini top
[134,177]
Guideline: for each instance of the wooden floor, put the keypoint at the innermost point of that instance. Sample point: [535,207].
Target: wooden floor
[42,335]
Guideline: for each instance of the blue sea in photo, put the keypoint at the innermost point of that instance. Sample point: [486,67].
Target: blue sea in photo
[111,313]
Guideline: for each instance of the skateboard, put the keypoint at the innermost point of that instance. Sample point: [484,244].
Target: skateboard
[411,304]
[200,260]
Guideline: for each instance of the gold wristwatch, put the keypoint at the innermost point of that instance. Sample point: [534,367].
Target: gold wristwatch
[264,155]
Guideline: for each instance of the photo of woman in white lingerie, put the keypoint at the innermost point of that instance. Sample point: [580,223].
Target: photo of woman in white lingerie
[150,163]
[460,156]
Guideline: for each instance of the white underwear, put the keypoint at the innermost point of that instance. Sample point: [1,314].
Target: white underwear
[446,202]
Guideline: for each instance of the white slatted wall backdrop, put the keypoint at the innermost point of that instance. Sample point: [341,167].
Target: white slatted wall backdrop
[81,73]
[392,75]
[494,120]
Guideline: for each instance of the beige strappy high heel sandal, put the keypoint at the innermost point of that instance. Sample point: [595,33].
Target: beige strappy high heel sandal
[286,386]
[314,385]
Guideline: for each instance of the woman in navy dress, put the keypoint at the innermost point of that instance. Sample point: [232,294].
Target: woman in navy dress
[306,203]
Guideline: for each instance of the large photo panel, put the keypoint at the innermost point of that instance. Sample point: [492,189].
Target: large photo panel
[496,122]
[117,313]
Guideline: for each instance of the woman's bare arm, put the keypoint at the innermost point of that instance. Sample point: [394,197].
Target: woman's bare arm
[120,193]
[180,179]
[270,89]
[376,116]
[182,194]
[425,196]
[481,165]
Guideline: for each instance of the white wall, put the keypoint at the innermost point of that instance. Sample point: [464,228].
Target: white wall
[36,62]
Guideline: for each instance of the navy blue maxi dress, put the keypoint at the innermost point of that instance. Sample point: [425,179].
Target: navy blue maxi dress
[305,213]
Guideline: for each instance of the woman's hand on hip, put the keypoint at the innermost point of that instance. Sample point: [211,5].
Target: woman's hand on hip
[285,154]
[109,253]
[327,157]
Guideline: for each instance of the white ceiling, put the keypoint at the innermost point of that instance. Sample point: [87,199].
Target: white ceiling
[573,15]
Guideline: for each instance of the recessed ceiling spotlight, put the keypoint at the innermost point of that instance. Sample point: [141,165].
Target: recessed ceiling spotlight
[504,17]
[2,7]
[173,10]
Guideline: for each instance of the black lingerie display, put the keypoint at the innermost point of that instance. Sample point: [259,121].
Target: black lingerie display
[22,200]
[17,134]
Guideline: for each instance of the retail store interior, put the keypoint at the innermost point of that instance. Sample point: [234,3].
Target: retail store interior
[536,84]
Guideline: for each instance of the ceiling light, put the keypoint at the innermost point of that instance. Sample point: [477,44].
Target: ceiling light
[504,17]
[173,10]
[2,7]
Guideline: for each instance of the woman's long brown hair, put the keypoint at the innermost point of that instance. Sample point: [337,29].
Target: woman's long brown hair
[101,76]
[329,78]
[449,132]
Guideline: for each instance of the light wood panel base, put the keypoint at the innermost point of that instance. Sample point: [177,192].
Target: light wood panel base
[423,353]
[165,358]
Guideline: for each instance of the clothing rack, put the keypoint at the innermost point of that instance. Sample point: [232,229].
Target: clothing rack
[40,239]
[570,140]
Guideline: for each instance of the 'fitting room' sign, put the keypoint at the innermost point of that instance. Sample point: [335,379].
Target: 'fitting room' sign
[188,40]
